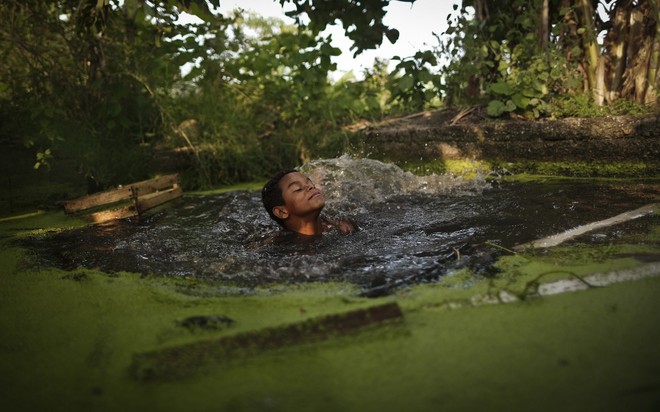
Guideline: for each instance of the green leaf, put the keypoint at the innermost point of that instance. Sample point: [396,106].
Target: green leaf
[425,76]
[392,35]
[573,83]
[372,103]
[520,101]
[502,88]
[329,50]
[406,83]
[529,93]
[510,106]
[495,108]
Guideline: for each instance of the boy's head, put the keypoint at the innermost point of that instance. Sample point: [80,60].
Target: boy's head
[290,195]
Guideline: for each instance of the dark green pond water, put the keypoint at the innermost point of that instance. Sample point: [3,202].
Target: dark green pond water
[411,228]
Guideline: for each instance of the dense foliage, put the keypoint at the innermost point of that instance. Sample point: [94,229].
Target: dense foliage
[86,80]
[97,84]
[561,57]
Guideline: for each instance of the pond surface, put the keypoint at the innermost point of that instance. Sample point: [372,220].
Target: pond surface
[411,228]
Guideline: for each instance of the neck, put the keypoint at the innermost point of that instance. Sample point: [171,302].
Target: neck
[308,227]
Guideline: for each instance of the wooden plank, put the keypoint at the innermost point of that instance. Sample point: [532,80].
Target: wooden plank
[158,183]
[183,361]
[97,199]
[119,213]
[122,193]
[144,203]
[152,200]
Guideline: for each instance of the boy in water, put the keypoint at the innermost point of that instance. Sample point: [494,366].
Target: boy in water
[292,200]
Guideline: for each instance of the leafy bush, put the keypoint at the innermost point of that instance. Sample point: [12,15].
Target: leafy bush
[412,82]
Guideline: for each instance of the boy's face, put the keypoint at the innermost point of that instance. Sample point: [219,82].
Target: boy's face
[301,197]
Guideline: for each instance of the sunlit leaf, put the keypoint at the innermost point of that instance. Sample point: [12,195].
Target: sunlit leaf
[502,88]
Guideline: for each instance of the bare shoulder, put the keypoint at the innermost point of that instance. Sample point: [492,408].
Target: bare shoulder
[344,227]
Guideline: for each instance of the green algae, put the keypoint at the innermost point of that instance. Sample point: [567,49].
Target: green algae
[182,361]
[620,169]
[75,333]
[468,169]
[71,336]
[521,274]
[248,186]
[38,223]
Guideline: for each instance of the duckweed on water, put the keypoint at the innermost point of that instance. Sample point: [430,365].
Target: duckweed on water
[72,336]
[69,338]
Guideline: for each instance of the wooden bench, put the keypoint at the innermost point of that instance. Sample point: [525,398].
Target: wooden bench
[142,196]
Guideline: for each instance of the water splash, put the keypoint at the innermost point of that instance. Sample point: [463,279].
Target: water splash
[350,184]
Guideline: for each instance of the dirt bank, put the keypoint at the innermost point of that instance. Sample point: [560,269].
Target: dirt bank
[449,135]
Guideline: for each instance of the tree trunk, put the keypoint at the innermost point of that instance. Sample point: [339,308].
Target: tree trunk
[474,88]
[600,88]
[641,44]
[544,26]
[591,49]
[617,47]
[654,61]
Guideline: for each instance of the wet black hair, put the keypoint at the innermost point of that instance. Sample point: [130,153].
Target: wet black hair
[271,194]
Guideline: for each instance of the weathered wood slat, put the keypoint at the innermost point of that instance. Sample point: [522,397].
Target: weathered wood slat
[144,203]
[98,199]
[122,193]
[152,200]
[107,215]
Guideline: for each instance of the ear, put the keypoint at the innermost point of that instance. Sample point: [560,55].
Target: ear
[281,212]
